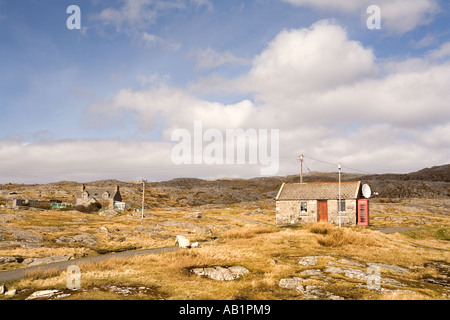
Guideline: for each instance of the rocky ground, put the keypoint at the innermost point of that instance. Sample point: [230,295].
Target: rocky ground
[234,223]
[430,183]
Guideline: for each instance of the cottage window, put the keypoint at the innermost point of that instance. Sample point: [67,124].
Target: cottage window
[303,206]
[341,206]
[105,196]
[84,196]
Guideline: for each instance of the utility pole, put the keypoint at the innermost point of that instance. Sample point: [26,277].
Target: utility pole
[143,196]
[301,168]
[339,203]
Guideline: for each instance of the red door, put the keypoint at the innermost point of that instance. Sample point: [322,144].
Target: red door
[363,212]
[322,211]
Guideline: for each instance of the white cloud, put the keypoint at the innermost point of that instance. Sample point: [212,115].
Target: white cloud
[308,60]
[204,3]
[136,16]
[424,42]
[89,160]
[177,107]
[210,59]
[151,40]
[441,53]
[399,16]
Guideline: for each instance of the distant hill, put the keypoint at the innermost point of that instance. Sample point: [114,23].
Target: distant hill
[426,183]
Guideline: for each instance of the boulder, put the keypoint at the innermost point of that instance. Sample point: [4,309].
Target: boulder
[221,273]
[3,289]
[104,229]
[31,262]
[87,239]
[185,225]
[291,283]
[309,291]
[26,236]
[194,215]
[182,242]
[308,261]
[4,260]
[47,294]
[11,293]
[108,213]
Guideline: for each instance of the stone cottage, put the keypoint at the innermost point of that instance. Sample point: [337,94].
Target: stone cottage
[107,197]
[299,203]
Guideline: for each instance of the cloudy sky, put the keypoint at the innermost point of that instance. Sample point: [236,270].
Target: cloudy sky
[104,101]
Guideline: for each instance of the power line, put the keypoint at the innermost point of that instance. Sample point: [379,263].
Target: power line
[334,165]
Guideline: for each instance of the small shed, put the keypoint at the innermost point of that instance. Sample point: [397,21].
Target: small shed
[299,203]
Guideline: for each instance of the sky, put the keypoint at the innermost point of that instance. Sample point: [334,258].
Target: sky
[108,100]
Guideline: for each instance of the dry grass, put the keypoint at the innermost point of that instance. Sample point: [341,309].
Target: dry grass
[341,237]
[320,227]
[247,232]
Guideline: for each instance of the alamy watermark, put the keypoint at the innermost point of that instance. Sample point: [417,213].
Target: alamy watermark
[74,21]
[373,278]
[374,20]
[232,147]
[74,280]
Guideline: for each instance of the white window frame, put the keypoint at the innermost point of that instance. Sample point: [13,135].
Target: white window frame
[305,203]
[342,205]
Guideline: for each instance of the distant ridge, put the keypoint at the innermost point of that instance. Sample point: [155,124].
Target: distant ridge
[429,183]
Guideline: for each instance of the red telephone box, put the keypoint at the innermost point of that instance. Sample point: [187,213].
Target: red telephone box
[363,212]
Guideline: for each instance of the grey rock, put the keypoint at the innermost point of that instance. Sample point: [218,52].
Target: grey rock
[295,283]
[348,272]
[31,262]
[104,229]
[312,272]
[221,273]
[47,295]
[27,236]
[308,261]
[194,215]
[11,293]
[182,242]
[3,289]
[64,239]
[108,213]
[291,283]
[4,260]
[87,239]
[394,268]
[48,229]
[185,225]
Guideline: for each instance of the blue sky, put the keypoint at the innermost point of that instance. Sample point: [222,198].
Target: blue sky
[102,102]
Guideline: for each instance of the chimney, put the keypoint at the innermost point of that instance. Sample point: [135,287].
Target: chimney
[83,187]
[117,188]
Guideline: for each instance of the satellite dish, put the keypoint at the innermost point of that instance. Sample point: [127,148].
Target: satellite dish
[366,191]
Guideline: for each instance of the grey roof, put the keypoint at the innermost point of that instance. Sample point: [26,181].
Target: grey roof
[319,191]
[97,192]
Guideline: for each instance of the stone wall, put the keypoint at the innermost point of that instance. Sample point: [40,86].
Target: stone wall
[347,218]
[288,212]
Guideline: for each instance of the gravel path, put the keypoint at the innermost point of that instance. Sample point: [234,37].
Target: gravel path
[12,275]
